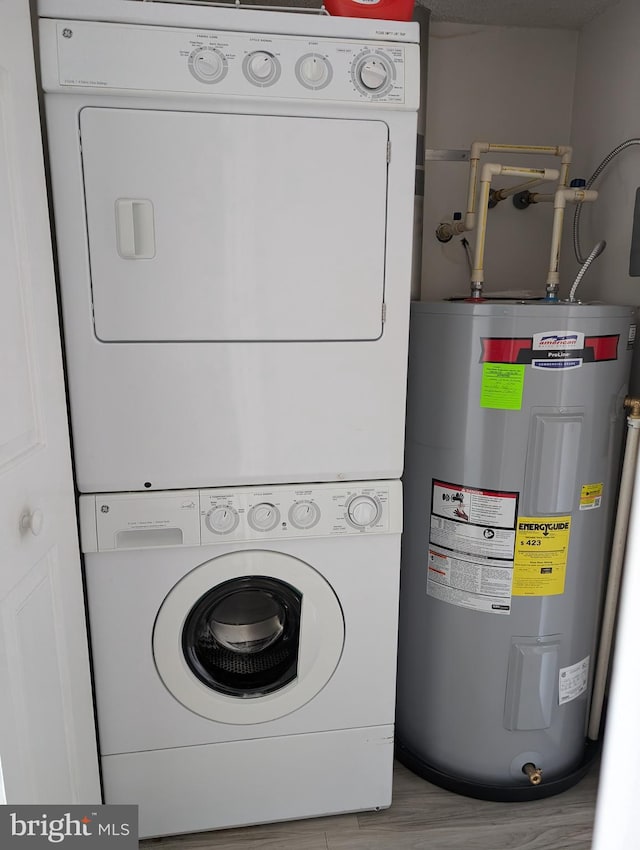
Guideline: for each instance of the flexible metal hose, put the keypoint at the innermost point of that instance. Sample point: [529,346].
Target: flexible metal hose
[576,216]
[598,249]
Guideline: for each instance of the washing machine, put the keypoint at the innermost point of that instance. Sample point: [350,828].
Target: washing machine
[233,201]
[244,650]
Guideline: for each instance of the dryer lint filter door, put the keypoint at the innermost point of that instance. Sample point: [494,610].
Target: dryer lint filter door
[234,227]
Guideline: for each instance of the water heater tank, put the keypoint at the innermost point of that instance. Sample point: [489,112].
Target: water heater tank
[514,427]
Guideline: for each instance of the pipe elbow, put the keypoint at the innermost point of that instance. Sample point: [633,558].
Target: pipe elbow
[470,221]
[566,153]
[490,170]
[478,148]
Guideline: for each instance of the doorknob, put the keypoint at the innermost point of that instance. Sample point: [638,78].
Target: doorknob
[32,521]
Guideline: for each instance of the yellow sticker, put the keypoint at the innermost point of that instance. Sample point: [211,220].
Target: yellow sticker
[591,496]
[540,562]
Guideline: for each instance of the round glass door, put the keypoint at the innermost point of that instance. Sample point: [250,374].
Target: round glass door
[242,636]
[249,636]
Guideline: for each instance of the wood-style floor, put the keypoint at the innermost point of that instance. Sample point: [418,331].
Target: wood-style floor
[421,817]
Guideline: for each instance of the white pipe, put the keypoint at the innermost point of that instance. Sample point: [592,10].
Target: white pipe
[469,221]
[559,203]
[615,575]
[541,198]
[501,194]
[565,152]
[490,170]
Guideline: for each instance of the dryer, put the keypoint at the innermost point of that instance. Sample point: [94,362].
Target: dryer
[233,208]
[244,650]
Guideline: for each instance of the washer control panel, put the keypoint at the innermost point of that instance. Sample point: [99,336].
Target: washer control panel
[166,60]
[318,510]
[120,521]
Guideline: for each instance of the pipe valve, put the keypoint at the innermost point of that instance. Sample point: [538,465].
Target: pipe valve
[534,773]
[632,404]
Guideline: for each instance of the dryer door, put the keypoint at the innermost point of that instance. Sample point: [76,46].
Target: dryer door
[248,637]
[234,227]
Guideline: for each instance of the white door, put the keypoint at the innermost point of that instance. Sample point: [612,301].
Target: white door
[616,823]
[47,738]
[234,227]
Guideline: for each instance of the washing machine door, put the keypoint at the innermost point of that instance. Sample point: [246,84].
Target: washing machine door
[248,637]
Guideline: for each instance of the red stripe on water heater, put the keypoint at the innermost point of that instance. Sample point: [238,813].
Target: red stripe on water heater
[520,350]
[503,350]
[604,347]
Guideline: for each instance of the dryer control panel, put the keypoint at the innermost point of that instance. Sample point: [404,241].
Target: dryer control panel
[88,54]
[115,521]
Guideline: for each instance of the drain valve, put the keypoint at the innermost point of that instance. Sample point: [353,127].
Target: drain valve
[534,773]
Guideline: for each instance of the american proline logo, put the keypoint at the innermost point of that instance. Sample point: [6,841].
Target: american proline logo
[561,341]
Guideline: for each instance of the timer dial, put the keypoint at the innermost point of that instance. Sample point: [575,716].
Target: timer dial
[263,517]
[363,511]
[373,73]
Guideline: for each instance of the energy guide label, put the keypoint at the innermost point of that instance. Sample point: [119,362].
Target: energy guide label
[471,546]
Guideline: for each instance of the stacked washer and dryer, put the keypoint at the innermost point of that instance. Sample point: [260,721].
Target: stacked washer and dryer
[233,199]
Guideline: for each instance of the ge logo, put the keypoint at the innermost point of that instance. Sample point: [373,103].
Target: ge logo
[489,534]
[67,33]
[104,509]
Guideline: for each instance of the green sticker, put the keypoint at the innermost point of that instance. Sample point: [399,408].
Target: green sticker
[502,386]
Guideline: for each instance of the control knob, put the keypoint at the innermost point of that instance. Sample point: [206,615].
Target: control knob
[222,520]
[261,65]
[208,65]
[314,71]
[264,516]
[304,514]
[363,511]
[373,74]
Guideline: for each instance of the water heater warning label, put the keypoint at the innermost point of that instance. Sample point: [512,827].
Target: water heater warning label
[542,547]
[573,680]
[472,538]
[591,496]
[471,505]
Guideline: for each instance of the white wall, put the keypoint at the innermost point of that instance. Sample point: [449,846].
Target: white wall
[606,112]
[499,84]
